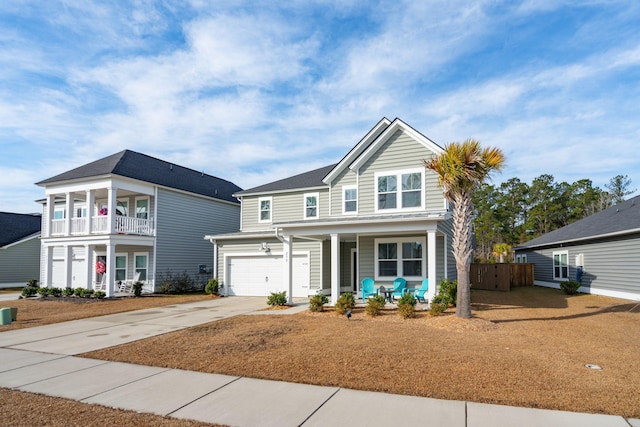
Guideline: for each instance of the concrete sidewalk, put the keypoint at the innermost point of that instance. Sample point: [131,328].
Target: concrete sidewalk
[41,360]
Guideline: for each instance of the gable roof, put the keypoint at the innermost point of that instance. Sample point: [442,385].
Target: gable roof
[304,180]
[374,140]
[139,166]
[15,227]
[623,218]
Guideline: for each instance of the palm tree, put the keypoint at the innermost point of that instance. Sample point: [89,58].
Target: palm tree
[461,168]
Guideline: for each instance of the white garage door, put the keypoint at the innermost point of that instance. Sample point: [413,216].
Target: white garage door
[263,274]
[78,269]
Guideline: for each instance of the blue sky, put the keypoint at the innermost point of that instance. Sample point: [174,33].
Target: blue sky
[257,91]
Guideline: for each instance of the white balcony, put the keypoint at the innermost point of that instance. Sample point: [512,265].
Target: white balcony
[100,225]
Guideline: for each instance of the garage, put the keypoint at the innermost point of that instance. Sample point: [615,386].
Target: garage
[262,274]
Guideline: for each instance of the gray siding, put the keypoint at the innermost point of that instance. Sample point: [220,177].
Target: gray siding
[399,152]
[446,228]
[182,222]
[611,267]
[346,178]
[20,262]
[252,246]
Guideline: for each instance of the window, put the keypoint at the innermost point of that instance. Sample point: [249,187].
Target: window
[311,206]
[521,259]
[121,267]
[350,197]
[409,196]
[400,257]
[141,260]
[122,207]
[561,265]
[58,214]
[142,208]
[264,206]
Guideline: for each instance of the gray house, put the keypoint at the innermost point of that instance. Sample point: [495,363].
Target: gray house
[19,248]
[130,217]
[377,213]
[602,251]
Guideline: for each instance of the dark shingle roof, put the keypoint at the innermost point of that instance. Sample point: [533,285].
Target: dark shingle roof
[139,166]
[622,217]
[303,180]
[15,227]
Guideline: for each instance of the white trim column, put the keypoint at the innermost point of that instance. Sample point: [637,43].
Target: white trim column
[88,253]
[68,263]
[445,256]
[48,269]
[431,264]
[51,208]
[111,209]
[111,269]
[91,200]
[215,259]
[68,214]
[335,268]
[287,264]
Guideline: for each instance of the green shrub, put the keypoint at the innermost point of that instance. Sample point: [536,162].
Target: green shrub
[43,292]
[374,305]
[137,288]
[317,302]
[345,302]
[277,298]
[170,283]
[437,308]
[99,294]
[212,287]
[87,293]
[67,292]
[407,305]
[447,293]
[570,287]
[33,283]
[55,292]
[29,291]
[79,292]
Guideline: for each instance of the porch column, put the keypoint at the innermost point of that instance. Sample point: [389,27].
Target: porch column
[111,269]
[431,264]
[68,262]
[88,256]
[51,207]
[68,214]
[91,200]
[335,268]
[215,259]
[111,214]
[48,269]
[287,251]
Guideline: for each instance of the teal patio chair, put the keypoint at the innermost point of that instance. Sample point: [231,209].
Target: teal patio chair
[367,288]
[399,287]
[419,293]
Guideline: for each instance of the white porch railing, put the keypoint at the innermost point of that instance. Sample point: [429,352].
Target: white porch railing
[100,225]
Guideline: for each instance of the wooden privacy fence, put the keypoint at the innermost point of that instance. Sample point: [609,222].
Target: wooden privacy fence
[501,277]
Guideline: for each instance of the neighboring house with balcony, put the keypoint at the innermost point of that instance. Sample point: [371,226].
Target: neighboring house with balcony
[377,213]
[602,251]
[130,216]
[19,248]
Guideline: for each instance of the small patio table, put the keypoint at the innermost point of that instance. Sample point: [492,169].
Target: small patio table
[388,293]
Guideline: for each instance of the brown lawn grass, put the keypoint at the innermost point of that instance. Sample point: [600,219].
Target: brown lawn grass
[526,348]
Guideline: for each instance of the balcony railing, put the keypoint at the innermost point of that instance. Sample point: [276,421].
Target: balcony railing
[100,225]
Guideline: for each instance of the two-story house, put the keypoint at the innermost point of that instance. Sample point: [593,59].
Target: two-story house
[131,216]
[377,213]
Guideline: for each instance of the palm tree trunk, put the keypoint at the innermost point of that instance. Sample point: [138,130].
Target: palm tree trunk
[463,250]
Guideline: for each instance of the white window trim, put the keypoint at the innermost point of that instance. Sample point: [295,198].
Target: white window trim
[399,241]
[398,174]
[135,206]
[136,254]
[123,201]
[126,264]
[260,200]
[304,202]
[344,200]
[553,265]
[521,259]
